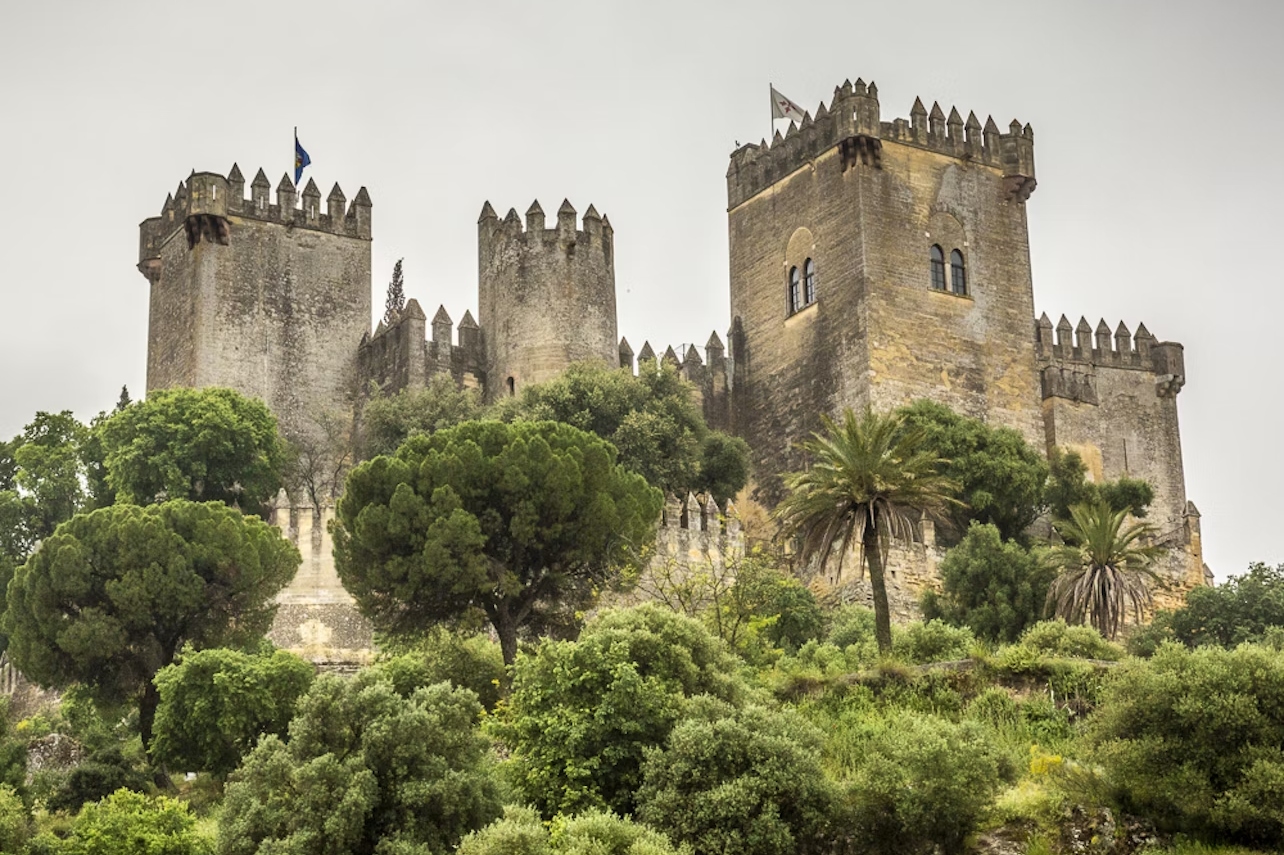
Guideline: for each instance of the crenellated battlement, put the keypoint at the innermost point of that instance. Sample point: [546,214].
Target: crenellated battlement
[713,376]
[497,237]
[202,204]
[852,122]
[399,355]
[1071,356]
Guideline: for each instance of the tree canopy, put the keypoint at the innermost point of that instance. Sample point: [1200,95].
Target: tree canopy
[112,596]
[583,713]
[365,770]
[1001,478]
[1068,485]
[651,418]
[1247,608]
[198,444]
[995,586]
[215,704]
[389,420]
[515,520]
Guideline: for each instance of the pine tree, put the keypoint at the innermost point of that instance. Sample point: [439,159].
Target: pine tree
[396,296]
[125,400]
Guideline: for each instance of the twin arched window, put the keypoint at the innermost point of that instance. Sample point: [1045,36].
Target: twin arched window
[802,286]
[958,270]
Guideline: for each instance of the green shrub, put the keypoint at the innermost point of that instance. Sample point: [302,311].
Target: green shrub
[471,662]
[215,704]
[103,773]
[1058,638]
[129,823]
[745,782]
[850,625]
[917,782]
[933,641]
[364,767]
[581,714]
[15,821]
[1194,740]
[520,832]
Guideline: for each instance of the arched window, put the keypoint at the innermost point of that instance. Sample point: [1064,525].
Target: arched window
[795,294]
[938,268]
[809,282]
[958,274]
[512,387]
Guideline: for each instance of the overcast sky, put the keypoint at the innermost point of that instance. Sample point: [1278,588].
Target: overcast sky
[1157,127]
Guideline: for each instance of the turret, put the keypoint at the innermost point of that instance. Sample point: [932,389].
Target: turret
[546,295]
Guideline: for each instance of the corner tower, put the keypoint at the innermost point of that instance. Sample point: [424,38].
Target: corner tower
[546,296]
[874,263]
[270,299]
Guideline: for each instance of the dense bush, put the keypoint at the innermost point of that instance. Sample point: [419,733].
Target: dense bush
[1057,638]
[932,641]
[995,586]
[104,772]
[15,822]
[520,832]
[215,704]
[582,713]
[471,662]
[1194,740]
[126,822]
[917,782]
[745,782]
[1243,608]
[364,767]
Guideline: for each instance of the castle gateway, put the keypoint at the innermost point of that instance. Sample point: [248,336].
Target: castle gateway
[872,263]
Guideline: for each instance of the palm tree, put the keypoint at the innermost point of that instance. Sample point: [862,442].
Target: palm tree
[1102,566]
[870,479]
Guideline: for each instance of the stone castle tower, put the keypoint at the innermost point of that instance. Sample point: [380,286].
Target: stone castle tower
[874,263]
[267,298]
[546,296]
[833,230]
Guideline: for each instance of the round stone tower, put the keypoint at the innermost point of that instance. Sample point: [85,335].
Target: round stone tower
[546,296]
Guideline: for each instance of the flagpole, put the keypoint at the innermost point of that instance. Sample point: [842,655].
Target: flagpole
[294,152]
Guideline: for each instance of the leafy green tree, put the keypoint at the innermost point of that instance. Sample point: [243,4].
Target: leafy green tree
[130,823]
[1102,568]
[113,595]
[582,713]
[1194,741]
[746,782]
[15,820]
[1068,485]
[206,445]
[512,519]
[994,586]
[1243,608]
[387,421]
[768,602]
[365,770]
[915,783]
[651,418]
[215,704]
[469,661]
[1001,478]
[595,832]
[871,479]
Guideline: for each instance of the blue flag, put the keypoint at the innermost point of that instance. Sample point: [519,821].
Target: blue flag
[301,158]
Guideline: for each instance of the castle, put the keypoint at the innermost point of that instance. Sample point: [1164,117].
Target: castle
[871,263]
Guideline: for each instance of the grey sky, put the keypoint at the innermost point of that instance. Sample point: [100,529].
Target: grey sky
[1156,124]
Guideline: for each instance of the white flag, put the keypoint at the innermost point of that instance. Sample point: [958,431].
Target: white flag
[783,108]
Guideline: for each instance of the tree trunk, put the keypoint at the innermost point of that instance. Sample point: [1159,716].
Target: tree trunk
[506,629]
[147,705]
[882,614]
